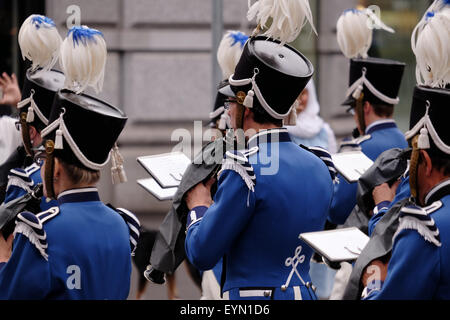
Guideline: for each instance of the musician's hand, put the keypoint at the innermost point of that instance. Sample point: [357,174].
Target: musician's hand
[384,192]
[376,270]
[200,195]
[5,247]
[11,91]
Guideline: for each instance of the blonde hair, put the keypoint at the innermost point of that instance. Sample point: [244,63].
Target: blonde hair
[78,175]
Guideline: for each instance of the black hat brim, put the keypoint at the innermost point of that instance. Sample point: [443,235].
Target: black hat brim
[226,91]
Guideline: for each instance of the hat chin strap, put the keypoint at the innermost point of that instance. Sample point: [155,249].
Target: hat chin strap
[239,121]
[413,164]
[49,169]
[26,134]
[359,109]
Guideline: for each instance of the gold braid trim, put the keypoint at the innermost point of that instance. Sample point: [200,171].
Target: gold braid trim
[49,168]
[414,162]
[26,134]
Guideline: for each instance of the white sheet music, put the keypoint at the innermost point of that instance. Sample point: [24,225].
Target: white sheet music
[351,165]
[337,245]
[167,169]
[155,189]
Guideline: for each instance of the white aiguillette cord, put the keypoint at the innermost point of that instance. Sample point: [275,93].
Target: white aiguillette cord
[357,87]
[61,132]
[117,170]
[32,109]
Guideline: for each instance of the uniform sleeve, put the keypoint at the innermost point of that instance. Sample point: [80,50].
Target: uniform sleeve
[413,270]
[213,230]
[378,212]
[19,184]
[14,192]
[344,200]
[403,192]
[26,276]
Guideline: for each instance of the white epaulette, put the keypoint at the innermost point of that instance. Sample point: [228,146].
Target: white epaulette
[22,177]
[31,226]
[354,144]
[238,161]
[413,217]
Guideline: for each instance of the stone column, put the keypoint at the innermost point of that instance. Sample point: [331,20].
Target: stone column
[333,67]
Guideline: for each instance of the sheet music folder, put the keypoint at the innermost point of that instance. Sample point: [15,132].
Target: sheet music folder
[155,189]
[351,165]
[166,172]
[166,168]
[337,245]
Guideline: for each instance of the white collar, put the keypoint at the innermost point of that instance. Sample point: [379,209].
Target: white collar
[266,132]
[436,189]
[72,191]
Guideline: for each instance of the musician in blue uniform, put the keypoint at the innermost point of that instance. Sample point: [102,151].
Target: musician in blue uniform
[38,92]
[373,92]
[268,193]
[80,249]
[41,91]
[418,268]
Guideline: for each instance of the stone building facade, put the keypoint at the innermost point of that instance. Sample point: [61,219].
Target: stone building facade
[159,71]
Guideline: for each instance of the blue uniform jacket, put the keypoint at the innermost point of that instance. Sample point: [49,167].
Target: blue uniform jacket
[403,192]
[80,250]
[380,136]
[420,264]
[256,219]
[22,181]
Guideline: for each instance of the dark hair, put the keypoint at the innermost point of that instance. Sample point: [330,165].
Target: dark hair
[262,117]
[440,161]
[383,110]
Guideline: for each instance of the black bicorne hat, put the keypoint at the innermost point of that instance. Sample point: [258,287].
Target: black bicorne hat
[270,76]
[380,80]
[84,129]
[429,118]
[38,93]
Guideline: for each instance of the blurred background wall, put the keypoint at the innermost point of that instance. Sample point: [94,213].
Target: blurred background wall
[162,72]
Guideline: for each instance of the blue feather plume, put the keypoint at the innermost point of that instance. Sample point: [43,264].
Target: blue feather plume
[82,34]
[353,10]
[238,37]
[39,21]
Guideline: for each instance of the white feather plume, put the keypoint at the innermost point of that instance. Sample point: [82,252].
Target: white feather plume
[355,32]
[430,43]
[288,17]
[83,59]
[230,51]
[39,42]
